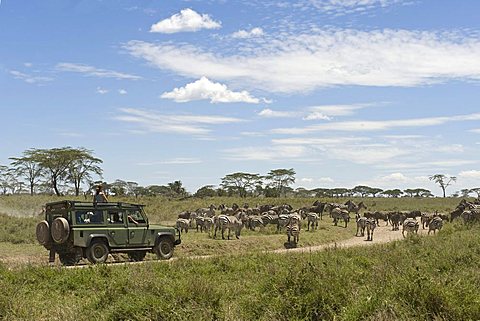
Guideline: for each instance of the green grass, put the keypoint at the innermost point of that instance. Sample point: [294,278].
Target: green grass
[421,278]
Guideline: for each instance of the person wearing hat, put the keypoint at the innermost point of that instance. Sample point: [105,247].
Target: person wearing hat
[100,196]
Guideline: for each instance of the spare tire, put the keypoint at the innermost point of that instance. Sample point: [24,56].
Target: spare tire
[43,233]
[60,230]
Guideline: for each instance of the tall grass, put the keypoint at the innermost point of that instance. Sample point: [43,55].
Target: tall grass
[421,278]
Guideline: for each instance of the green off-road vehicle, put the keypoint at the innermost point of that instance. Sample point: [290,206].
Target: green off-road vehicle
[77,230]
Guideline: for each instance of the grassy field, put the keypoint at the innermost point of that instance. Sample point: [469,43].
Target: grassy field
[20,214]
[421,278]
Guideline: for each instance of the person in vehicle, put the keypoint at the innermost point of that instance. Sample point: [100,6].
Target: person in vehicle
[100,196]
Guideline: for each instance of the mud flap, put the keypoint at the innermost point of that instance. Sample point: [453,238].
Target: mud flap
[51,258]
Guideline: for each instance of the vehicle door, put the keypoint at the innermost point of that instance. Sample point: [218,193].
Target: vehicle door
[137,227]
[117,228]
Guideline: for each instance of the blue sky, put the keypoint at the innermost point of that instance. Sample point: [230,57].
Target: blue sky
[346,92]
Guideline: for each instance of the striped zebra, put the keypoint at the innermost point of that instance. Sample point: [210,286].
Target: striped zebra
[425,219]
[255,221]
[370,225]
[338,213]
[200,222]
[396,219]
[183,224]
[293,228]
[208,224]
[361,223]
[312,219]
[410,225]
[228,222]
[435,223]
[283,220]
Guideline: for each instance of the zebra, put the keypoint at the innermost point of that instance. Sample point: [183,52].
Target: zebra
[435,223]
[312,219]
[361,221]
[425,220]
[338,214]
[293,228]
[410,225]
[183,224]
[254,221]
[200,222]
[208,224]
[370,225]
[283,220]
[230,222]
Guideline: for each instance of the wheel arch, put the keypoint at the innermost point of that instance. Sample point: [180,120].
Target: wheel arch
[95,237]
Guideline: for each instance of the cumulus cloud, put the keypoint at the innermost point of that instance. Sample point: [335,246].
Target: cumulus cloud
[244,34]
[272,153]
[150,121]
[300,62]
[342,7]
[28,78]
[122,92]
[187,20]
[206,89]
[93,71]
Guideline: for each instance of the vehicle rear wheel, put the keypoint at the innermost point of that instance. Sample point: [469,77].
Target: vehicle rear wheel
[97,252]
[164,248]
[136,256]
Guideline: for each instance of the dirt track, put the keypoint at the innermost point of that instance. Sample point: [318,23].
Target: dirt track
[382,234]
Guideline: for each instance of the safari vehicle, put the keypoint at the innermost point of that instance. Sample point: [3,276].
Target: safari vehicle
[77,230]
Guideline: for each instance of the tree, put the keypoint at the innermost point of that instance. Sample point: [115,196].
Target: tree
[362,190]
[443,181]
[119,187]
[206,191]
[240,183]
[410,192]
[177,188]
[4,179]
[82,167]
[392,193]
[28,167]
[280,179]
[375,190]
[465,192]
[476,190]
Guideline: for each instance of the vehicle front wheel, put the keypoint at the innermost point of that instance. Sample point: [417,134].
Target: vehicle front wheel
[164,248]
[97,252]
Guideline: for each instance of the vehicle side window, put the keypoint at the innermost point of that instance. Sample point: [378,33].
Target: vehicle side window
[115,217]
[136,215]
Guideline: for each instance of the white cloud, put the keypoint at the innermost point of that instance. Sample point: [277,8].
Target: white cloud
[268,113]
[369,125]
[338,110]
[206,89]
[101,91]
[274,153]
[122,92]
[244,34]
[93,71]
[186,21]
[342,7]
[173,161]
[31,79]
[28,64]
[472,174]
[317,116]
[306,180]
[326,180]
[477,130]
[179,124]
[304,62]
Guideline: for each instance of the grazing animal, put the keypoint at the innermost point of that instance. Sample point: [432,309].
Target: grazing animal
[361,222]
[208,224]
[228,222]
[354,208]
[338,214]
[183,224]
[200,222]
[370,225]
[425,220]
[410,225]
[435,223]
[312,219]
[254,221]
[293,228]
[396,218]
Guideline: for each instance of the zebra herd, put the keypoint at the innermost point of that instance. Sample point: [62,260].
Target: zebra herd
[215,219]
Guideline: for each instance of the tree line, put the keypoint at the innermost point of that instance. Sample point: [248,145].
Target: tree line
[75,171]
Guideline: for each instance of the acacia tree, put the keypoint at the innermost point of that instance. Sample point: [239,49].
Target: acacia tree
[240,183]
[280,179]
[82,167]
[177,188]
[29,168]
[443,181]
[392,193]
